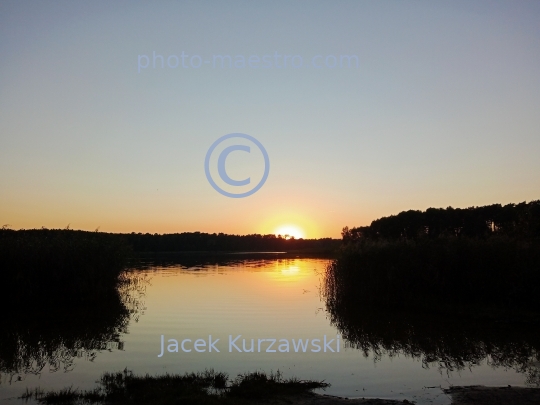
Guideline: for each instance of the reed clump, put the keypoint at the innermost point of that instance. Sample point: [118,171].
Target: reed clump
[43,264]
[206,388]
[498,272]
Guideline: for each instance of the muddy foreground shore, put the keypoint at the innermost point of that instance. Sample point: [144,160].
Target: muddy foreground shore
[469,395]
[480,395]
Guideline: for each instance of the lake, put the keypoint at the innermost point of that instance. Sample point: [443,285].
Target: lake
[234,302]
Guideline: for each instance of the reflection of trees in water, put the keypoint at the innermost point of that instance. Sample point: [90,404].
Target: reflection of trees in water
[194,262]
[37,336]
[450,343]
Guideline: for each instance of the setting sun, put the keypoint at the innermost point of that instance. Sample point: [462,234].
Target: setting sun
[288,231]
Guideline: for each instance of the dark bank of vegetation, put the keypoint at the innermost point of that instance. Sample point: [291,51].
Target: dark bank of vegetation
[208,387]
[444,273]
[479,258]
[60,265]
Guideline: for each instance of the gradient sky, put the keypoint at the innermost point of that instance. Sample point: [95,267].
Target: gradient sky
[443,110]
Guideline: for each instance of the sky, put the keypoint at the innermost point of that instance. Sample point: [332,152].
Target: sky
[365,109]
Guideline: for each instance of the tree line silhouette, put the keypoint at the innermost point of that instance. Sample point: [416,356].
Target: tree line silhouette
[221,242]
[514,220]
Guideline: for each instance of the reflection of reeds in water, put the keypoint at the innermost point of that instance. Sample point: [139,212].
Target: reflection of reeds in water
[450,341]
[132,288]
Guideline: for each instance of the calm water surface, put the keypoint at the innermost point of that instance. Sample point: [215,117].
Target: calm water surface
[258,298]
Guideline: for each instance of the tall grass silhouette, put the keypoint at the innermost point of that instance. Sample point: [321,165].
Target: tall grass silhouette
[56,265]
[444,272]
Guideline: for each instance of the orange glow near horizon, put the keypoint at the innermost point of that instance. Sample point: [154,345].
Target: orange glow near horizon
[290,223]
[288,231]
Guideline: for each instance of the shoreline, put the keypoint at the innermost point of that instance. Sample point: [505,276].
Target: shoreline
[312,398]
[459,395]
[484,395]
